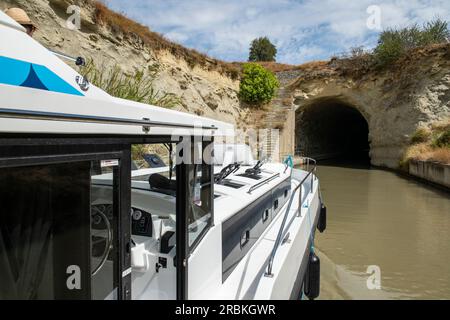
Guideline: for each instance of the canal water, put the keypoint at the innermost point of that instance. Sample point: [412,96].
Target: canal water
[382,226]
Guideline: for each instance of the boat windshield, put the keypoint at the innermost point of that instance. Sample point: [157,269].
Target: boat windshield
[156,208]
[151,164]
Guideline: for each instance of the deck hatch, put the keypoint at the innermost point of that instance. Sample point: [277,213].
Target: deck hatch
[250,176]
[232,184]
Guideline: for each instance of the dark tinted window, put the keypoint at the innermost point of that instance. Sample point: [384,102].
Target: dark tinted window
[48,229]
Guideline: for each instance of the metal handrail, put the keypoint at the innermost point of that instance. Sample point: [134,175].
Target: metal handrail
[260,184]
[56,116]
[268,273]
[79,61]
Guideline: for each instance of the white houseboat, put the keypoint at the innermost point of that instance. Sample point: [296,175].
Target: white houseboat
[104,198]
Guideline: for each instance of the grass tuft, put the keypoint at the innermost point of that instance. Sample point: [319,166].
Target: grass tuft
[429,145]
[138,86]
[442,140]
[420,136]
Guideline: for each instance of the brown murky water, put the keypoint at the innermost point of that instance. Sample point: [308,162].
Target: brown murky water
[377,218]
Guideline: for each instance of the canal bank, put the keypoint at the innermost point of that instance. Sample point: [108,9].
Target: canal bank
[434,173]
[379,219]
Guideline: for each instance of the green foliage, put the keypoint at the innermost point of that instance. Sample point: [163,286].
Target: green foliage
[258,85]
[442,140]
[420,136]
[394,43]
[261,49]
[138,86]
[435,31]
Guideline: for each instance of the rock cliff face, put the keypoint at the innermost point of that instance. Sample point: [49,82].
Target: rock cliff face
[394,102]
[202,89]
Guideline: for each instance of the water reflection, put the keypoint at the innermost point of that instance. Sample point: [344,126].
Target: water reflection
[376,217]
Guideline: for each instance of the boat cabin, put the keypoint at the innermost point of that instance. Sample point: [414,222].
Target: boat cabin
[86,178]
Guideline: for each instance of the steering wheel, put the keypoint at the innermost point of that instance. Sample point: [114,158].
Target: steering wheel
[108,246]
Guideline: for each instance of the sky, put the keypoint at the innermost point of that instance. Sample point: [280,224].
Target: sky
[302,30]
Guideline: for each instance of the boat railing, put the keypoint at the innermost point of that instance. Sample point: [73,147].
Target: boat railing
[260,184]
[79,61]
[55,116]
[311,166]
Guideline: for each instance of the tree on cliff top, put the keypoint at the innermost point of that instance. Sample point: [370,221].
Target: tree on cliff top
[261,49]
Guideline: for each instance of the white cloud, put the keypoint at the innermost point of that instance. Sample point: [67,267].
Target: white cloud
[302,30]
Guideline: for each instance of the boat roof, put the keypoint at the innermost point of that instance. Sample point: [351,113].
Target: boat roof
[40,94]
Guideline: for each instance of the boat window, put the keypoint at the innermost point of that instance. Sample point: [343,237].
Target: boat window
[154,215]
[145,156]
[58,231]
[152,164]
[153,221]
[200,199]
[104,225]
[155,252]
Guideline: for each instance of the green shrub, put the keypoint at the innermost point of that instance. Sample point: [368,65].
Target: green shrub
[390,48]
[442,140]
[138,86]
[394,43]
[435,31]
[420,136]
[258,85]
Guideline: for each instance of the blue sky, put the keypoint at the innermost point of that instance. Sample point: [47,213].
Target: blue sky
[302,30]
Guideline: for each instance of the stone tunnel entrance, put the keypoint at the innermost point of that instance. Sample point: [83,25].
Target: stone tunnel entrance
[330,129]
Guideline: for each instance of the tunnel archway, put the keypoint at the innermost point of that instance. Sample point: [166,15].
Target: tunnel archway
[331,129]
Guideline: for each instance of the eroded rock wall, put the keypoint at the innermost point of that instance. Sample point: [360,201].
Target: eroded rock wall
[415,92]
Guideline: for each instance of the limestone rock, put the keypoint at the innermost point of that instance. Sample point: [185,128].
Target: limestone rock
[395,102]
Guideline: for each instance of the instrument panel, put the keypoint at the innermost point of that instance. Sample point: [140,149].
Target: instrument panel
[141,223]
